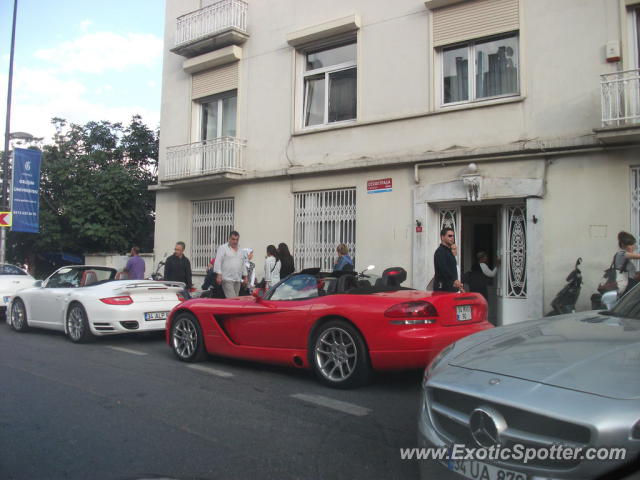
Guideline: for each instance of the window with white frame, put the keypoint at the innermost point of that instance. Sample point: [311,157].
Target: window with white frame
[635,201]
[634,37]
[211,224]
[323,220]
[480,69]
[219,116]
[330,85]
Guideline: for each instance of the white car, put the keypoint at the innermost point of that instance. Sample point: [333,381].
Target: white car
[12,279]
[84,301]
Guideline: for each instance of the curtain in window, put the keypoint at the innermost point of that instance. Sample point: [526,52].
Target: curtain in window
[456,75]
[314,100]
[497,67]
[342,95]
[229,116]
[210,120]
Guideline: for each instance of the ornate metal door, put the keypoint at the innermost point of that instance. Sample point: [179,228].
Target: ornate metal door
[513,271]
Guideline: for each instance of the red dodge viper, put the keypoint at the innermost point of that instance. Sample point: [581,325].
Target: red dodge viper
[342,326]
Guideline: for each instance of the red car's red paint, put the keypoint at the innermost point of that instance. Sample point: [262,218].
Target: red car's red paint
[279,331]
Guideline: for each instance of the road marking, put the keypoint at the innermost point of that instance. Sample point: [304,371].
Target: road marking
[128,350]
[344,407]
[211,371]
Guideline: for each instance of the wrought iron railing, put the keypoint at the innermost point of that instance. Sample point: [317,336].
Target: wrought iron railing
[620,98]
[211,20]
[221,155]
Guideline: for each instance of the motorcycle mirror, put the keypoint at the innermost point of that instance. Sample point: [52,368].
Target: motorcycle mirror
[579,261]
[370,267]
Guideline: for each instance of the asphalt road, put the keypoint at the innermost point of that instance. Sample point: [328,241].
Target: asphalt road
[125,408]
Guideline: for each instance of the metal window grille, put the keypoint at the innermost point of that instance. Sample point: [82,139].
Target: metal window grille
[323,220]
[212,222]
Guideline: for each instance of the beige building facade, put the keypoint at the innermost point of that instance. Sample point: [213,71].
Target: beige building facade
[376,123]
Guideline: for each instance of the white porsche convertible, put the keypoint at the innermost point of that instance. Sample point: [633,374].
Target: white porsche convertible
[84,301]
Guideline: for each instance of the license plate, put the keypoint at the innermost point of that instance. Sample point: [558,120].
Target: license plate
[478,470]
[463,312]
[150,316]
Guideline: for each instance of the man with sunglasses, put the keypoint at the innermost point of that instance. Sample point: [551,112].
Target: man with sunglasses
[444,262]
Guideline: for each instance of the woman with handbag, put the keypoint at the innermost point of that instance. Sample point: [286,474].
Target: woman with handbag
[271,267]
[628,276]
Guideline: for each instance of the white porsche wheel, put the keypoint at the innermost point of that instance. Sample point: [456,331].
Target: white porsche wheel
[19,316]
[78,329]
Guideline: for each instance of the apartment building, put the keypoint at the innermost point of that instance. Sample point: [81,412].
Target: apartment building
[375,123]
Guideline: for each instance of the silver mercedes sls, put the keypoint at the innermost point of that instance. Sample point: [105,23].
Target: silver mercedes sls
[557,398]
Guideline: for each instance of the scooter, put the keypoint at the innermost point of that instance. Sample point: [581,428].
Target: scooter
[566,299]
[156,275]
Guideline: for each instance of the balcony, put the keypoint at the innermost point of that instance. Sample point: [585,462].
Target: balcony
[210,28]
[620,95]
[222,158]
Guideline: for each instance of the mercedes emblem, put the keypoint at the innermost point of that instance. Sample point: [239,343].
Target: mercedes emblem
[486,425]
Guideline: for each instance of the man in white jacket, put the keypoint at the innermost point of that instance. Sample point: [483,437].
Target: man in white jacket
[230,266]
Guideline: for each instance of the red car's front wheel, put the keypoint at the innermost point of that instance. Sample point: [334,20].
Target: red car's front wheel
[339,355]
[187,341]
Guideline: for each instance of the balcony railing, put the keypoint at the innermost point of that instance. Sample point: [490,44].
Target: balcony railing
[221,155]
[210,21]
[620,98]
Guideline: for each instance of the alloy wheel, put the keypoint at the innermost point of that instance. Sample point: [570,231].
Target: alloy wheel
[75,324]
[336,354]
[18,316]
[184,337]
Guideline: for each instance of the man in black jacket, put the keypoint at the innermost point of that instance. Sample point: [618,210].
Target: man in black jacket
[446,271]
[177,268]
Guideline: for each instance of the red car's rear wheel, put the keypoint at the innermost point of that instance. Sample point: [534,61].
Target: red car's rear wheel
[187,341]
[339,355]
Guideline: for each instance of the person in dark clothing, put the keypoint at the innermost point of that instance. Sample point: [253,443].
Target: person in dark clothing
[177,268]
[481,276]
[286,260]
[446,270]
[477,281]
[210,286]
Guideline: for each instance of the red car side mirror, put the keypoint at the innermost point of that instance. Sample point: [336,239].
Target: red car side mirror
[256,294]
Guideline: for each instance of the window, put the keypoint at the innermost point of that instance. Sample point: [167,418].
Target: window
[322,220]
[635,201]
[480,69]
[298,287]
[212,222]
[219,116]
[330,85]
[73,277]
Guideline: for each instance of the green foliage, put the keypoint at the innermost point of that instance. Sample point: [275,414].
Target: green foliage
[94,195]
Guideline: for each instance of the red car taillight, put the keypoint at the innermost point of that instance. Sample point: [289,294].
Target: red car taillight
[412,313]
[181,297]
[124,300]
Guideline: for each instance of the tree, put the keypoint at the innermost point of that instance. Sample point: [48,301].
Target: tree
[94,190]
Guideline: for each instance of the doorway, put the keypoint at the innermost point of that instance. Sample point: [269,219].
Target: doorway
[479,233]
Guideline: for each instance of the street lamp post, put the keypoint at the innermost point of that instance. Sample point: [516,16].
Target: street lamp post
[7,129]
